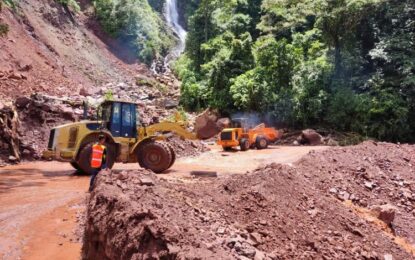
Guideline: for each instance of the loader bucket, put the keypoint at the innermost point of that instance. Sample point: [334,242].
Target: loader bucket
[207,124]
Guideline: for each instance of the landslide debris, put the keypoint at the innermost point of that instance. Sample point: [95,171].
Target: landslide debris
[187,148]
[275,212]
[27,124]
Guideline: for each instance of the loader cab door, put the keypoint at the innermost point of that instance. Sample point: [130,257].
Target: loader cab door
[120,119]
[128,121]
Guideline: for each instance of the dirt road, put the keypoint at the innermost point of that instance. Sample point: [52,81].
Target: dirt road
[39,202]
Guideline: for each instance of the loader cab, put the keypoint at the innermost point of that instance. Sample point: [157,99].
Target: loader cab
[240,123]
[120,118]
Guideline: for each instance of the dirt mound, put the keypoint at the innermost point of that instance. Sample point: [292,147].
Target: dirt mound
[130,218]
[369,175]
[187,148]
[51,50]
[276,212]
[36,115]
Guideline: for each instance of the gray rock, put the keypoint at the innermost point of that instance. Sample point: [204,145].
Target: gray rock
[369,185]
[146,181]
[245,249]
[386,213]
[311,137]
[256,238]
[259,255]
[333,190]
[26,152]
[388,257]
[221,231]
[170,104]
[12,159]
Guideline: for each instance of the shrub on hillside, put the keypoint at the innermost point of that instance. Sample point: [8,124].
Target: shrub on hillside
[4,29]
[71,4]
[135,22]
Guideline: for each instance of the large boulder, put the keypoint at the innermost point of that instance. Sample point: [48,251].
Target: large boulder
[310,137]
[386,213]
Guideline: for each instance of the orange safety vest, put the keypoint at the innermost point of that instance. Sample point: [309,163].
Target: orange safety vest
[97,155]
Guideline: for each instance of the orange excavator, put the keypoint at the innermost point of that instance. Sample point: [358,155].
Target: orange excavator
[240,134]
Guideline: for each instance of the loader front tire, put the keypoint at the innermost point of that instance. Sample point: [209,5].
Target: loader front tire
[155,156]
[75,165]
[244,144]
[173,155]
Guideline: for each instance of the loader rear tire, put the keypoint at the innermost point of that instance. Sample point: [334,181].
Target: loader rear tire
[84,157]
[261,143]
[155,156]
[244,144]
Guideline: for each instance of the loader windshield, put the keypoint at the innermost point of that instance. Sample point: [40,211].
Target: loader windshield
[105,114]
[119,118]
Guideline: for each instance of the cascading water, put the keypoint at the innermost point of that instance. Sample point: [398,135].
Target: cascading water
[172,17]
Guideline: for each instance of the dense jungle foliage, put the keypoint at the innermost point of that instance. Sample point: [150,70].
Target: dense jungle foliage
[347,65]
[343,64]
[139,23]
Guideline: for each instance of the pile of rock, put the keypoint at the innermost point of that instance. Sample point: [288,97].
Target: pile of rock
[25,124]
[156,97]
[275,212]
[187,148]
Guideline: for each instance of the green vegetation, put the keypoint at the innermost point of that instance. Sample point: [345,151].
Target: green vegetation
[109,96]
[4,29]
[10,3]
[186,9]
[138,24]
[71,4]
[341,64]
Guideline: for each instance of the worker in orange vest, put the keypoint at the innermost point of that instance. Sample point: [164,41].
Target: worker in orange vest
[98,159]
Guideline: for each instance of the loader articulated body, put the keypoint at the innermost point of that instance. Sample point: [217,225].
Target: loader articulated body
[245,137]
[125,141]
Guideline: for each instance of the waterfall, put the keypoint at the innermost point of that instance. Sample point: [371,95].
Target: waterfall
[172,18]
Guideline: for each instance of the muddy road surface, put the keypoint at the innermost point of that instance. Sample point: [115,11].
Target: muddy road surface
[42,203]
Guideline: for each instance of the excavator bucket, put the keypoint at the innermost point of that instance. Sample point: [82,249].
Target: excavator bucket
[208,124]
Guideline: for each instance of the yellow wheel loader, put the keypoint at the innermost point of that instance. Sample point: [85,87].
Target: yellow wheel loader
[126,141]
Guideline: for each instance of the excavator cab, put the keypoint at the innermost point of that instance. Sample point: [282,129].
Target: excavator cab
[119,118]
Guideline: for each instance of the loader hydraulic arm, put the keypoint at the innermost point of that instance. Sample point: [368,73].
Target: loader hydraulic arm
[176,128]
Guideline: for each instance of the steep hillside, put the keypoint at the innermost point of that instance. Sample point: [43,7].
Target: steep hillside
[50,50]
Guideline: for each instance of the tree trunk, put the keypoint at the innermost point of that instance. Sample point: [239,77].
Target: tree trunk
[9,124]
[69,13]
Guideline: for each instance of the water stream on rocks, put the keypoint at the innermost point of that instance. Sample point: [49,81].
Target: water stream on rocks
[172,18]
